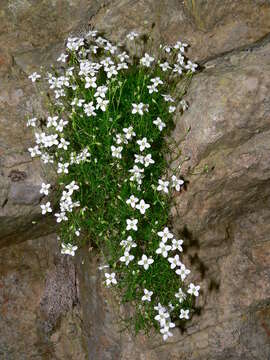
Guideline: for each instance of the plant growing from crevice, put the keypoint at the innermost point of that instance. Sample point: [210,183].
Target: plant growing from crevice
[107,133]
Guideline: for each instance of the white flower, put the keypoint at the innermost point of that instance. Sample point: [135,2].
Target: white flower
[145,262]
[122,66]
[184,105]
[63,144]
[45,188]
[78,102]
[102,103]
[68,249]
[62,58]
[168,98]
[156,81]
[46,158]
[163,249]
[152,88]
[132,35]
[136,170]
[129,133]
[147,60]
[46,140]
[148,160]
[177,183]
[110,279]
[160,308]
[126,258]
[166,333]
[34,76]
[128,243]
[90,82]
[31,122]
[139,159]
[52,121]
[167,48]
[132,224]
[165,66]
[59,93]
[101,91]
[72,187]
[116,151]
[61,217]
[91,33]
[138,108]
[165,234]
[162,317]
[111,48]
[78,232]
[107,62]
[62,168]
[111,71]
[120,138]
[60,126]
[181,59]
[142,206]
[166,330]
[172,109]
[180,295]
[176,245]
[180,46]
[159,123]
[177,69]
[174,261]
[123,56]
[193,290]
[191,66]
[163,186]
[183,272]
[89,109]
[69,72]
[184,314]
[132,201]
[46,208]
[147,295]
[143,144]
[137,174]
[74,43]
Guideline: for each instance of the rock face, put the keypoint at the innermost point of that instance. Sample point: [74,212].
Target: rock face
[56,308]
[40,317]
[211,27]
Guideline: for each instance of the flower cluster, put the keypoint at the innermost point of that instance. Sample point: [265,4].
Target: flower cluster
[105,135]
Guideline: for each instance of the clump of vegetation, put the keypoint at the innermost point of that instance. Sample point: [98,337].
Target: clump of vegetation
[109,116]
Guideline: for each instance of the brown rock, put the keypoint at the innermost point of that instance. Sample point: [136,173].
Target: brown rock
[223,216]
[39,313]
[210,27]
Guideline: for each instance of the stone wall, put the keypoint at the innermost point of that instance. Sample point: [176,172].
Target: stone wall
[56,308]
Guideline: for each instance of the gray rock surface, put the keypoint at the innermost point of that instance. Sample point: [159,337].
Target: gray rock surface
[54,308]
[40,317]
[211,27]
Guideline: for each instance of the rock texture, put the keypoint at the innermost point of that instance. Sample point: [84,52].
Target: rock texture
[211,27]
[54,308]
[39,313]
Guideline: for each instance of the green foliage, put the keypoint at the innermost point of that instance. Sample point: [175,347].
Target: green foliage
[104,180]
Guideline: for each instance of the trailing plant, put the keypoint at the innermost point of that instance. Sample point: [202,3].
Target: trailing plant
[110,116]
